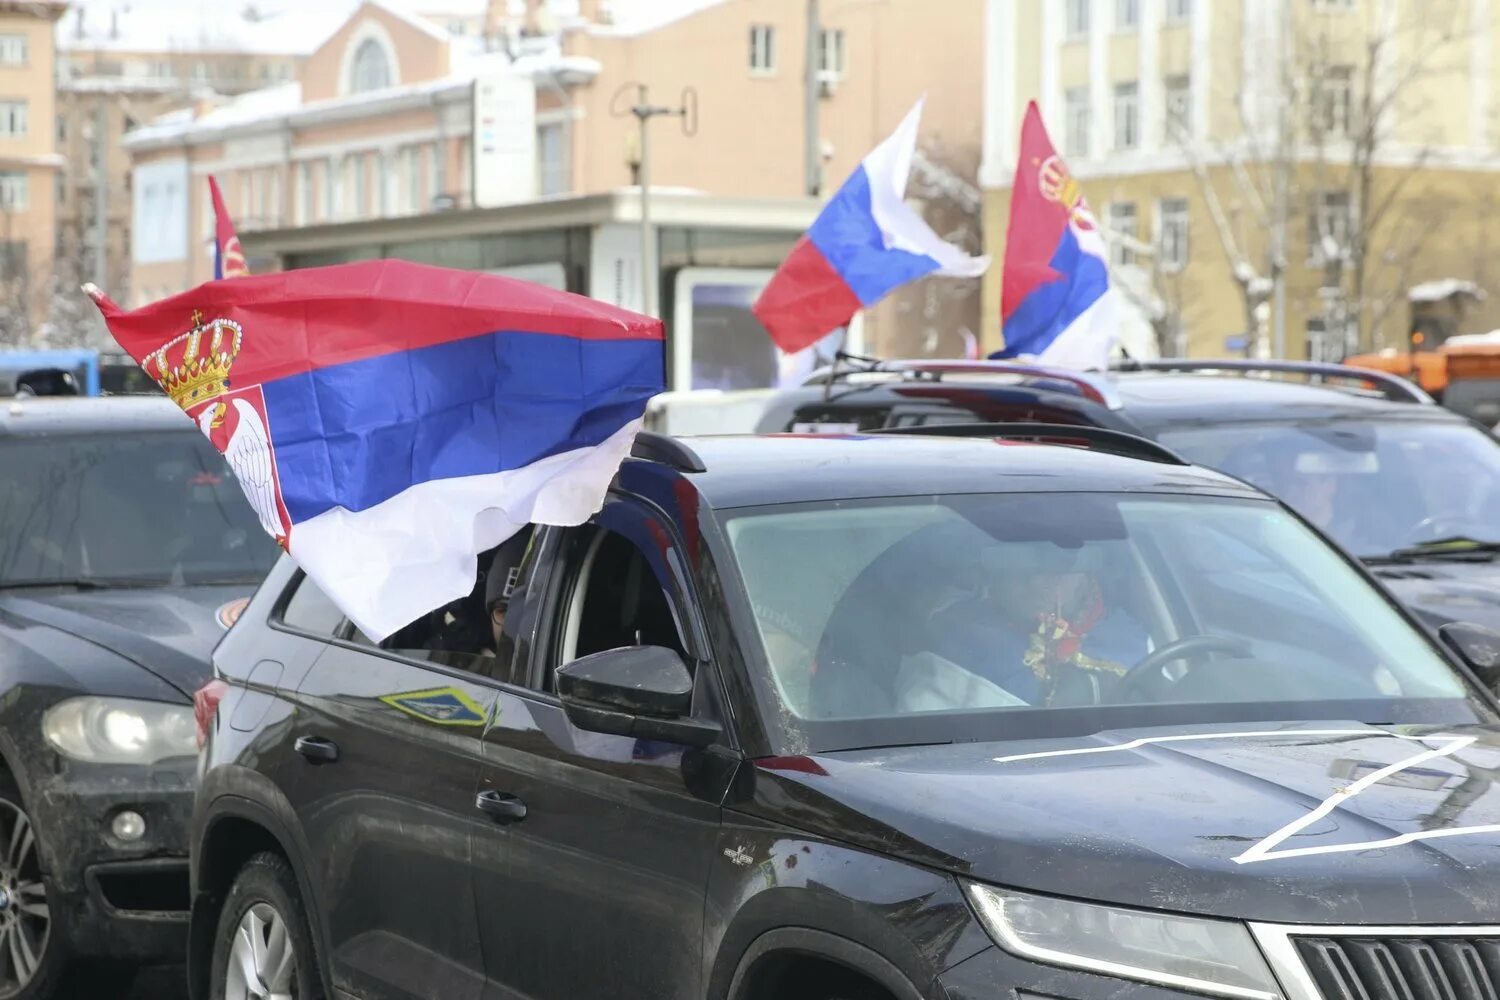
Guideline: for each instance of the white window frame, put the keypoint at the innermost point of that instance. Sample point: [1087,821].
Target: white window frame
[1127,115]
[1333,113]
[15,117]
[1323,208]
[1077,19]
[552,175]
[1173,234]
[15,50]
[762,49]
[15,191]
[1127,15]
[1177,95]
[1115,214]
[831,53]
[1179,11]
[1078,122]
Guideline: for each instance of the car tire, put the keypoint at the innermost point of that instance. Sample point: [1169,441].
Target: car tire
[33,950]
[263,916]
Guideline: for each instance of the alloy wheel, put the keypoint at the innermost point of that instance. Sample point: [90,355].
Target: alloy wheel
[262,965]
[25,919]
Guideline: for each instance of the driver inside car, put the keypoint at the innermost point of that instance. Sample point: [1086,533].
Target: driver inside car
[1041,627]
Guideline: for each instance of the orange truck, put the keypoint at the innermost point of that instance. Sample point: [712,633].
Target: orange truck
[1463,373]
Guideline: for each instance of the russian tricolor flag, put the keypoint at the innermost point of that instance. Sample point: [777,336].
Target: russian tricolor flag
[866,242]
[229,259]
[390,421]
[1056,305]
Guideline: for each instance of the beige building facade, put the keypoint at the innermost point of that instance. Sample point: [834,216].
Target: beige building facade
[1272,175]
[29,163]
[381,124]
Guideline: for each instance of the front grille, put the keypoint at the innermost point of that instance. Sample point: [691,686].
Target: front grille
[1397,968]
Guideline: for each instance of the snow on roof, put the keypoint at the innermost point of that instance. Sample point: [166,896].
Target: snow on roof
[243,110]
[1471,339]
[213,26]
[1444,288]
[642,16]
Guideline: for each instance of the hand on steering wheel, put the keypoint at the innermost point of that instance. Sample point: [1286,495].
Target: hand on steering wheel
[1185,648]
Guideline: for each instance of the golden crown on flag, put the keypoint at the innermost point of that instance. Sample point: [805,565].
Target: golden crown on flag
[194,367]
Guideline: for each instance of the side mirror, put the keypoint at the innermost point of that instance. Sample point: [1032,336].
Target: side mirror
[1477,646]
[645,692]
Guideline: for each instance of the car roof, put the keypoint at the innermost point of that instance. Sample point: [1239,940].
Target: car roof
[25,416]
[753,470]
[1156,399]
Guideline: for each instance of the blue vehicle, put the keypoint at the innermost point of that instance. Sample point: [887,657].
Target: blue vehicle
[71,372]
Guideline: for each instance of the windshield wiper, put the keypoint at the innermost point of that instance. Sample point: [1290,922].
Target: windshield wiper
[80,583]
[1456,547]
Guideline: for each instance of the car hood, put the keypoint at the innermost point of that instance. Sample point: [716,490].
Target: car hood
[1446,590]
[1334,822]
[167,631]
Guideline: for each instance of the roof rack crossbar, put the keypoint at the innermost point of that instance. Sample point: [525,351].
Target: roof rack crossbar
[1099,438]
[1084,384]
[653,447]
[1393,387]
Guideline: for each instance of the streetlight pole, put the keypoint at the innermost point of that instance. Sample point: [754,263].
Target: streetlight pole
[812,166]
[644,111]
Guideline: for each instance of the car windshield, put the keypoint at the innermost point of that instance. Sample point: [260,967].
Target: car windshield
[996,616]
[1374,487]
[112,509]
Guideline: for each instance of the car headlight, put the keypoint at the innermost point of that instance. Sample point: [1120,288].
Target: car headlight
[120,730]
[1190,953]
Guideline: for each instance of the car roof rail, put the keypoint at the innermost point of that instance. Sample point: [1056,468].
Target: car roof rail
[1392,387]
[653,447]
[1096,438]
[1086,384]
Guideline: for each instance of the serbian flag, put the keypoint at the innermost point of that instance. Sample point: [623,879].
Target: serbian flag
[390,421]
[229,260]
[1055,301]
[865,242]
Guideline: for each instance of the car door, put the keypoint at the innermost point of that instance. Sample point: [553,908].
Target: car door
[597,888]
[391,741]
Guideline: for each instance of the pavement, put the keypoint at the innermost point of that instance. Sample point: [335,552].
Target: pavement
[158,984]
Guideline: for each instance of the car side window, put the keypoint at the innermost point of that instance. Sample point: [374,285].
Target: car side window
[310,610]
[611,597]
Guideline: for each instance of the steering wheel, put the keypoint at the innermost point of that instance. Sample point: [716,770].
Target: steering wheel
[1438,526]
[1190,646]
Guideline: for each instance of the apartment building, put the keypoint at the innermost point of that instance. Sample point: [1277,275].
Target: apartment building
[28,163]
[1272,175]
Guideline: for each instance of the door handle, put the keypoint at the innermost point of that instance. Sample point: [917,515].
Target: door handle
[317,749]
[501,807]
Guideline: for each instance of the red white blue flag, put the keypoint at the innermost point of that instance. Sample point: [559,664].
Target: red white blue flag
[390,421]
[866,242]
[229,259]
[1056,305]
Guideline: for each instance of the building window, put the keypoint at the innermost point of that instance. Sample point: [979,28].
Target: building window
[831,53]
[1172,233]
[551,161]
[304,193]
[15,191]
[1127,116]
[762,48]
[274,205]
[1333,4]
[1179,100]
[360,185]
[13,50]
[1329,225]
[413,167]
[390,184]
[372,70]
[1332,103]
[437,181]
[330,189]
[1127,14]
[13,115]
[1123,233]
[1179,10]
[1077,121]
[1076,18]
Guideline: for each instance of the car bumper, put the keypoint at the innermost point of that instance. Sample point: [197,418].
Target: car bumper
[116,898]
[993,974]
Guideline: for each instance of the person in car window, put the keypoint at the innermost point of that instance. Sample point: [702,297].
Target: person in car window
[501,587]
[1042,626]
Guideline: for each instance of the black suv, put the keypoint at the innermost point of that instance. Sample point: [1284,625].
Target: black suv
[125,545]
[877,716]
[1411,488]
